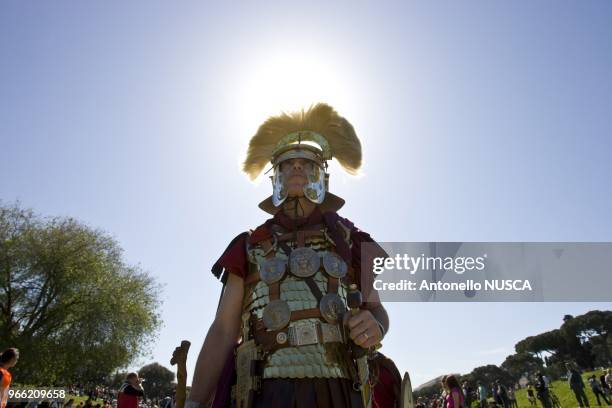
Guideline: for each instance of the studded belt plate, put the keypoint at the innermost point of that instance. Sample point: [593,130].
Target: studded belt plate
[311,333]
[304,262]
[276,314]
[272,270]
[332,307]
[334,265]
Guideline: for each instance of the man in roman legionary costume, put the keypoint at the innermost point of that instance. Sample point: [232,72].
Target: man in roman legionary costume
[290,317]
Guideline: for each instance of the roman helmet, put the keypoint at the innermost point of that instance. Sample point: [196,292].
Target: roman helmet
[318,135]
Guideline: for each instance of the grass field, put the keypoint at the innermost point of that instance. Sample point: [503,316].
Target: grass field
[563,391]
[82,399]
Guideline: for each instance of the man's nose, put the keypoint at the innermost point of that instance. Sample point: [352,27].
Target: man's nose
[297,165]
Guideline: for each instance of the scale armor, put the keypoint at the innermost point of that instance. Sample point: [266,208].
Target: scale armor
[304,361]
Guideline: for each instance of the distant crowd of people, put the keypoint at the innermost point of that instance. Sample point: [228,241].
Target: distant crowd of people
[129,395]
[501,395]
[454,395]
[601,387]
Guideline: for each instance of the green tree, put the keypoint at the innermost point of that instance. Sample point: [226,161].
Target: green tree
[548,342]
[69,301]
[488,374]
[588,333]
[158,380]
[518,364]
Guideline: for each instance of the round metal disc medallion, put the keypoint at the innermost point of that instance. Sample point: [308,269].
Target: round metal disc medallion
[276,314]
[304,262]
[334,265]
[272,270]
[332,307]
[281,338]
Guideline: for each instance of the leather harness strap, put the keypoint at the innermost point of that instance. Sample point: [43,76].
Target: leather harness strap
[273,288]
[252,277]
[301,239]
[305,314]
[314,288]
[332,284]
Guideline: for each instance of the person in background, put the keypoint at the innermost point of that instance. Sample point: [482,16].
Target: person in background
[512,398]
[8,359]
[531,396]
[482,395]
[574,379]
[546,380]
[494,393]
[502,395]
[542,391]
[608,379]
[454,394]
[467,394]
[130,391]
[596,388]
[604,386]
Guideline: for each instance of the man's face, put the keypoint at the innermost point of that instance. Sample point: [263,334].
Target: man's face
[295,172]
[135,380]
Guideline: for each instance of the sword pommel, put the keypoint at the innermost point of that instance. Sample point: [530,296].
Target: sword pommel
[353,298]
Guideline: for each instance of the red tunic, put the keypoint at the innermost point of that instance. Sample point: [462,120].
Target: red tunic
[128,396]
[5,383]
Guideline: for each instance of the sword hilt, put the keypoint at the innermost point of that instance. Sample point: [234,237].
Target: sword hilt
[354,301]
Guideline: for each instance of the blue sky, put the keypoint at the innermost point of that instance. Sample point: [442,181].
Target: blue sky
[480,121]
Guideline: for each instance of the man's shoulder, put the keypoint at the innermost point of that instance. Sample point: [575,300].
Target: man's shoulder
[234,256]
[345,222]
[238,241]
[355,229]
[261,233]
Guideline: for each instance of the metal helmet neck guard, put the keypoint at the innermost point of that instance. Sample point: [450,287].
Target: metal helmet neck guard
[292,146]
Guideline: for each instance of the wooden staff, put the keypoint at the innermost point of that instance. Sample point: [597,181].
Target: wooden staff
[179,357]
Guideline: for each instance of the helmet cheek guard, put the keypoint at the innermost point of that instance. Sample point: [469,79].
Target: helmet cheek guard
[279,191]
[315,189]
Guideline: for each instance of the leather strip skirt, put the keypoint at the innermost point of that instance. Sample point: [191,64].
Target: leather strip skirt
[307,393]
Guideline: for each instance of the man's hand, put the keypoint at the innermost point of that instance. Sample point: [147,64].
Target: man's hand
[364,328]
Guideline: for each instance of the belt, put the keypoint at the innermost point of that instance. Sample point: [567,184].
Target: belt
[299,335]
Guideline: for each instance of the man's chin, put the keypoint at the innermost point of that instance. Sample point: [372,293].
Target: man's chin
[296,194]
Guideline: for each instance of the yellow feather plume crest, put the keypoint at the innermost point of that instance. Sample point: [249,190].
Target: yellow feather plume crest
[320,118]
